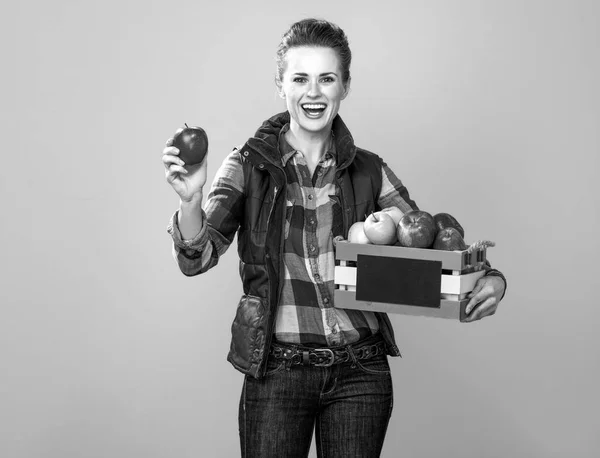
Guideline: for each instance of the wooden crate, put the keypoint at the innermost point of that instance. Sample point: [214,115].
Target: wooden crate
[410,281]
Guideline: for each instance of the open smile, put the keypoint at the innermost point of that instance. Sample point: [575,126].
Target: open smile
[313,110]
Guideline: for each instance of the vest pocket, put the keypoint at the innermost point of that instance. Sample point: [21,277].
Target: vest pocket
[247,330]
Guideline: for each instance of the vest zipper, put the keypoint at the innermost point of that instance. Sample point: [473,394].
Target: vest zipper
[344,208]
[269,336]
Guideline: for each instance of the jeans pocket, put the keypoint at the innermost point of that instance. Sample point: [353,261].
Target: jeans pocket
[274,366]
[378,365]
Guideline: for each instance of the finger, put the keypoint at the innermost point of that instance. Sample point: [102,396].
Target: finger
[172,159]
[173,151]
[487,307]
[476,296]
[175,170]
[475,301]
[169,160]
[478,287]
[169,142]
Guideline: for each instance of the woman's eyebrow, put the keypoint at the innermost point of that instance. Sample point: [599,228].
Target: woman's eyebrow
[322,74]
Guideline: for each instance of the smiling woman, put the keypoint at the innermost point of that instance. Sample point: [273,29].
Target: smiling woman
[287,193]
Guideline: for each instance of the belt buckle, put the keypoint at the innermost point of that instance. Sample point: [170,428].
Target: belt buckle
[330,355]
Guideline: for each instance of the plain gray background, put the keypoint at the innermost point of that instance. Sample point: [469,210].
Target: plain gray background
[488,110]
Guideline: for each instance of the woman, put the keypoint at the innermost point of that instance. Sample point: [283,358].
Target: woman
[293,187]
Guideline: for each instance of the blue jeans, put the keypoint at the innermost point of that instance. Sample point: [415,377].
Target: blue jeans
[348,405]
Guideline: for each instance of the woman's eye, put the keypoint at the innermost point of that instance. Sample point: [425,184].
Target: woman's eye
[299,79]
[327,79]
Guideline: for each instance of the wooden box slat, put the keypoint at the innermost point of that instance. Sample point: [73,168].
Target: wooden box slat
[451,260]
[448,309]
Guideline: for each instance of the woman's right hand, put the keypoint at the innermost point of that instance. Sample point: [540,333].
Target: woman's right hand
[187,181]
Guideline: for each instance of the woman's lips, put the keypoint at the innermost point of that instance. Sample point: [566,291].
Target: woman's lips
[314,109]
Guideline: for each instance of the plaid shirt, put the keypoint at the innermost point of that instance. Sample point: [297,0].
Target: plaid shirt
[305,314]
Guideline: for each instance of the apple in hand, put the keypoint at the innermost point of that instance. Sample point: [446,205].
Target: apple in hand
[192,143]
[416,229]
[395,213]
[356,233]
[449,239]
[444,220]
[380,228]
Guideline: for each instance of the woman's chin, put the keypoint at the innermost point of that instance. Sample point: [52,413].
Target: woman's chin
[314,125]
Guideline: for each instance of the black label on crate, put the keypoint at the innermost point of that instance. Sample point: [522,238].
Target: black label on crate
[398,280]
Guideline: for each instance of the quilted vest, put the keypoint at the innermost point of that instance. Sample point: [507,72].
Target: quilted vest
[260,237]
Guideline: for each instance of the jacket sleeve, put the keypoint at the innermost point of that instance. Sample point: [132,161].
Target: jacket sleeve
[221,215]
[393,192]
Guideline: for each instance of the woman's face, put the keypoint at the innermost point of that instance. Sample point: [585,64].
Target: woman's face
[312,88]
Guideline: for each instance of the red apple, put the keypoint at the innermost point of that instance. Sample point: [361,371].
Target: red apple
[417,229]
[192,143]
[395,213]
[449,239]
[444,220]
[380,228]
[356,233]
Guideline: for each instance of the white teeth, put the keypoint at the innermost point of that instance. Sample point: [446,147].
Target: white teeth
[314,106]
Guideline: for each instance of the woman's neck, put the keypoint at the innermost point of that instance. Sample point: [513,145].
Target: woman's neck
[312,145]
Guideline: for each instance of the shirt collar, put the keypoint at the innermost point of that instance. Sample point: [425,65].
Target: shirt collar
[287,151]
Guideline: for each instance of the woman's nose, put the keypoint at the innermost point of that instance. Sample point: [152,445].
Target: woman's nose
[313,89]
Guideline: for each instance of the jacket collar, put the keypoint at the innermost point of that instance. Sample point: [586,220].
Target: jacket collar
[266,140]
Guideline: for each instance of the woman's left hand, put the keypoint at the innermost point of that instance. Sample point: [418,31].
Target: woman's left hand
[485,298]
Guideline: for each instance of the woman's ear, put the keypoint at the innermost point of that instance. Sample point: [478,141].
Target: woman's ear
[346,89]
[279,88]
[280,91]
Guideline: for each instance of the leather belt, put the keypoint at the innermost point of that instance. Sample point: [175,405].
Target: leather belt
[326,357]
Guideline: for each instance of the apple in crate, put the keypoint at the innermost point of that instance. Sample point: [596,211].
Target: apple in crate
[417,229]
[380,228]
[449,239]
[444,220]
[356,233]
[395,213]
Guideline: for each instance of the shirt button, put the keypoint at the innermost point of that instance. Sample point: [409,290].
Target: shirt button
[312,221]
[317,277]
[310,197]
[246,153]
[334,331]
[326,300]
[312,248]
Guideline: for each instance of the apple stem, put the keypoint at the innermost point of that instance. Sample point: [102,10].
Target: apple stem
[186,125]
[374,216]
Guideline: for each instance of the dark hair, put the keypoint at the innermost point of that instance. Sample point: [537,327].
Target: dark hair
[319,33]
